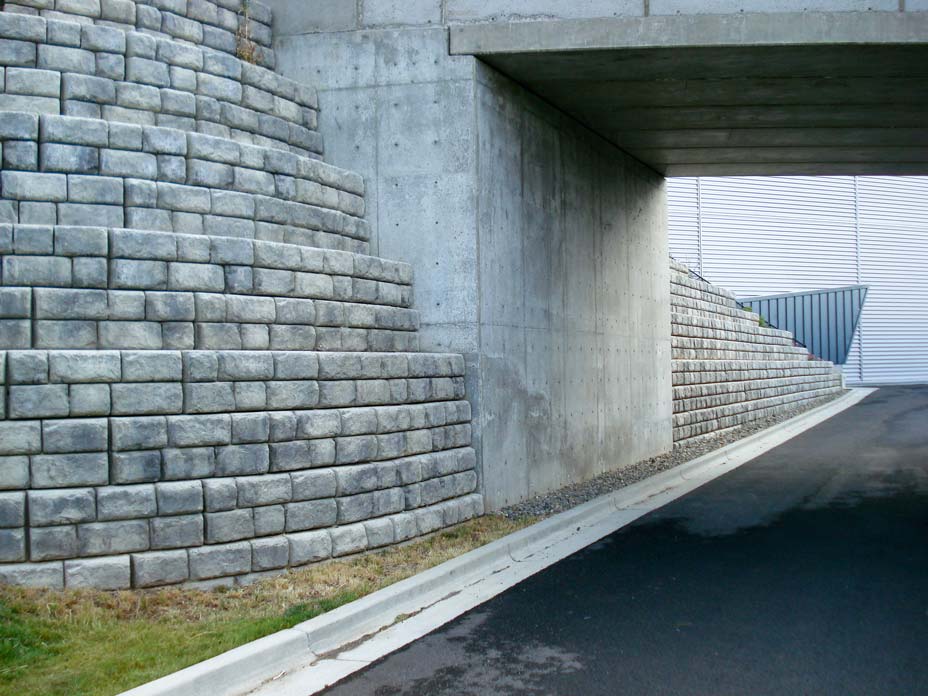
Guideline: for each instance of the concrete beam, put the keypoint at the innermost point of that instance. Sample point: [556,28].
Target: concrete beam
[675,31]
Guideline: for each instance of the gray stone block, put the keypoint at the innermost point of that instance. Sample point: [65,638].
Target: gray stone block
[52,543]
[128,164]
[270,519]
[86,88]
[61,507]
[355,508]
[106,538]
[147,72]
[99,573]
[242,460]
[95,189]
[199,431]
[189,463]
[179,497]
[12,545]
[12,509]
[14,472]
[220,561]
[349,539]
[183,531]
[31,186]
[310,515]
[250,396]
[111,66]
[250,427]
[209,174]
[58,470]
[138,433]
[379,533]
[50,575]
[102,38]
[136,467]
[136,96]
[126,502]
[147,398]
[75,435]
[38,401]
[26,367]
[270,553]
[65,59]
[13,53]
[20,156]
[209,397]
[159,568]
[231,525]
[309,547]
[263,490]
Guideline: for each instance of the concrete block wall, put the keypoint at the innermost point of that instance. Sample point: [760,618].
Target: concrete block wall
[728,370]
[237,27]
[204,378]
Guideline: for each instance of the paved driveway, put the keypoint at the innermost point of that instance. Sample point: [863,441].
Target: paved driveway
[803,572]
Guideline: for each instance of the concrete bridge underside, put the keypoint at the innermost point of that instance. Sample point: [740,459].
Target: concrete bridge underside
[518,165]
[803,93]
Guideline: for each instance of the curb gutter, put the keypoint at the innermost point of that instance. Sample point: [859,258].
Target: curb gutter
[315,654]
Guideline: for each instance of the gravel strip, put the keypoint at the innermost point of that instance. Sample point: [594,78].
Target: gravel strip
[578,493]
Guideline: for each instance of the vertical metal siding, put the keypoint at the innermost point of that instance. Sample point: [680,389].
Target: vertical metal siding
[772,235]
[894,262]
[683,221]
[824,320]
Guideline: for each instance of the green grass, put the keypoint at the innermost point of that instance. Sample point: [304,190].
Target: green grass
[93,643]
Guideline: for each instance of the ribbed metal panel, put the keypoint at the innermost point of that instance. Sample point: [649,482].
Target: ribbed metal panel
[772,235]
[894,262]
[683,221]
[768,235]
[824,321]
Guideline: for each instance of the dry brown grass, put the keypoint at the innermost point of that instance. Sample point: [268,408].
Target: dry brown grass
[59,643]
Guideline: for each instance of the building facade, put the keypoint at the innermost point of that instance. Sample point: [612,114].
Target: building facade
[770,235]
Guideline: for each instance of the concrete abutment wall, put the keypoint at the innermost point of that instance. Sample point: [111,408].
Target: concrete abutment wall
[539,250]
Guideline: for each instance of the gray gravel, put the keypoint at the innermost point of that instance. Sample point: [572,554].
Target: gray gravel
[578,493]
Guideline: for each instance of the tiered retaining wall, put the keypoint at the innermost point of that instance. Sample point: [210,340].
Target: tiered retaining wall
[203,376]
[727,369]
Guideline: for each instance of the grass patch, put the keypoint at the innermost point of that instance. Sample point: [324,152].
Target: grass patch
[94,643]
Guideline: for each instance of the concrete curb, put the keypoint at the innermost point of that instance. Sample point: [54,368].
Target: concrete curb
[315,654]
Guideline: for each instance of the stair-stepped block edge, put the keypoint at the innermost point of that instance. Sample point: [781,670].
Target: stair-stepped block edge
[97,72]
[727,369]
[74,171]
[204,378]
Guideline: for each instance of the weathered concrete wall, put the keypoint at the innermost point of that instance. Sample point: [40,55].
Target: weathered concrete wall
[539,249]
[729,370]
[573,305]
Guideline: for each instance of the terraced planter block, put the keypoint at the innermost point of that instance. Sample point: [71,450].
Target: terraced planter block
[204,378]
[727,369]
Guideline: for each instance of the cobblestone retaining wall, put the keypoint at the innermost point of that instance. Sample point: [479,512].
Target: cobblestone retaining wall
[727,369]
[203,376]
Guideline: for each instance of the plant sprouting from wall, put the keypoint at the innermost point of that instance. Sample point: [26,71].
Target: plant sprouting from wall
[245,48]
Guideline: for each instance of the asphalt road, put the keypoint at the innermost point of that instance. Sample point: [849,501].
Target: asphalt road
[803,572]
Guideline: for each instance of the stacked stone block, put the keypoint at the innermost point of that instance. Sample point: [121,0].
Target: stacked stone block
[203,376]
[237,27]
[727,369]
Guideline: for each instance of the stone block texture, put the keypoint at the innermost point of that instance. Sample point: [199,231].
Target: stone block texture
[203,375]
[728,370]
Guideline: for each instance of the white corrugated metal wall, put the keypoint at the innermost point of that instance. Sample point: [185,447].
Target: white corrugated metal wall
[766,235]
